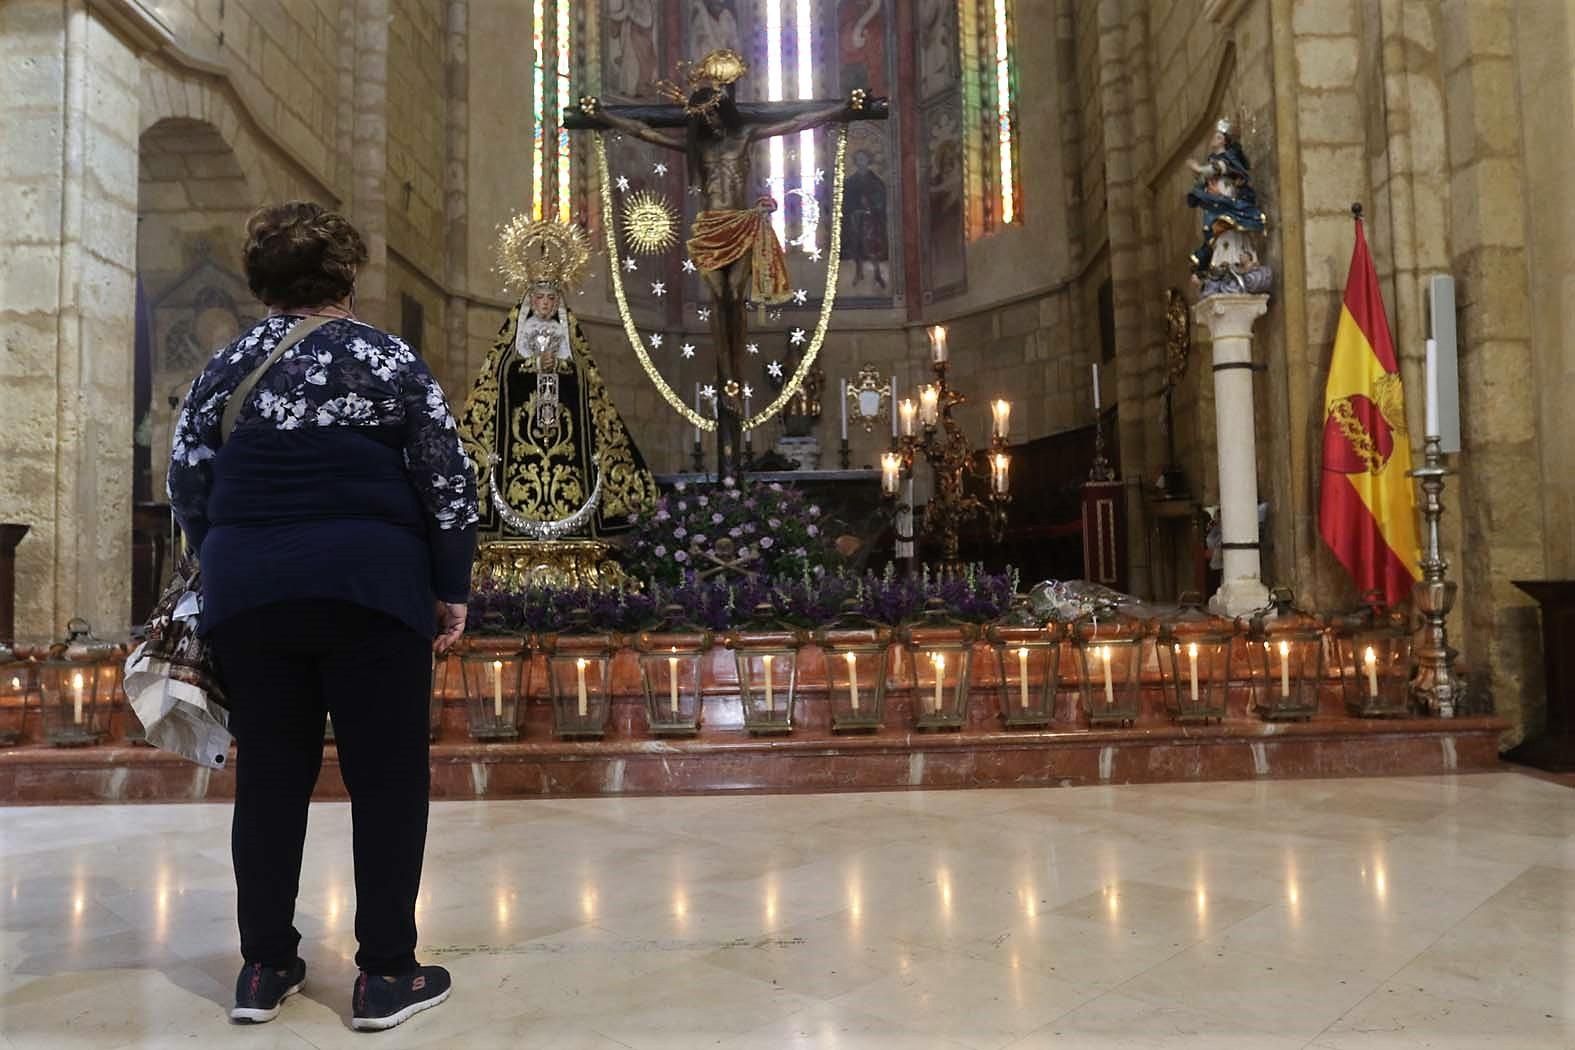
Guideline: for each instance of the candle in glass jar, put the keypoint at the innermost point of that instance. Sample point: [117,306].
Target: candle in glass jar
[929,404]
[579,674]
[766,674]
[497,688]
[1110,689]
[1001,410]
[76,698]
[939,659]
[1022,675]
[938,344]
[1371,660]
[999,464]
[890,472]
[908,410]
[672,681]
[1285,669]
[853,679]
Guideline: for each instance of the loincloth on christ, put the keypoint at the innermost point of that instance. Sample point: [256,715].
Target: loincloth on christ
[723,236]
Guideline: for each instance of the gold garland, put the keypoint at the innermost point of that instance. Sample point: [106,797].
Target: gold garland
[828,300]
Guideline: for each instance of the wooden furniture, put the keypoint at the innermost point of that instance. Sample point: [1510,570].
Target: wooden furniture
[1553,746]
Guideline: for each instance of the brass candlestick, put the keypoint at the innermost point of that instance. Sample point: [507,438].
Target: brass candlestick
[941,442]
[1436,686]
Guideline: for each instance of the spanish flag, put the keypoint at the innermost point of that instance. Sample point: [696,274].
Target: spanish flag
[1367,506]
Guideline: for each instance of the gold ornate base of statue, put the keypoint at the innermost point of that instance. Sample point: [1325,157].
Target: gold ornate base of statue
[518,564]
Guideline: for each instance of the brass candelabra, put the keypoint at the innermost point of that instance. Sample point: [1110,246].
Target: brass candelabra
[1437,687]
[929,430]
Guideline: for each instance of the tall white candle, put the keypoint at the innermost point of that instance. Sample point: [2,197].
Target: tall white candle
[853,679]
[1022,675]
[893,405]
[940,679]
[76,698]
[1285,669]
[497,689]
[1431,386]
[1110,689]
[843,403]
[1371,659]
[1095,367]
[672,682]
[579,673]
[1192,659]
[766,674]
[697,412]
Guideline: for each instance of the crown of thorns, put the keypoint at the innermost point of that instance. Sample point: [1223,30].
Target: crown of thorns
[716,70]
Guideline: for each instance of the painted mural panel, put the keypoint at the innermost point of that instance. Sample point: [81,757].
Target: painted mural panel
[943,206]
[938,54]
[631,49]
[871,274]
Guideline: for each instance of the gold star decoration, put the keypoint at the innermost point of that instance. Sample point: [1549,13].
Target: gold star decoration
[649,223]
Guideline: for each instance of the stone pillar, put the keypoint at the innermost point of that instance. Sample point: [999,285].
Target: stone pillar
[1229,320]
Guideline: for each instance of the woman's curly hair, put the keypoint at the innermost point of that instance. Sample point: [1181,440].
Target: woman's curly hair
[300,254]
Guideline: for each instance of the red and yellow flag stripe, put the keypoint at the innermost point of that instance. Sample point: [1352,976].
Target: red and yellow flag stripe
[1367,504]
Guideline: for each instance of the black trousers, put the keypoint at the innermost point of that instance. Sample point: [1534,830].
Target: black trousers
[284,666]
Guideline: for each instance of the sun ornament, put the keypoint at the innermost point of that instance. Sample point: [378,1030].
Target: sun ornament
[649,223]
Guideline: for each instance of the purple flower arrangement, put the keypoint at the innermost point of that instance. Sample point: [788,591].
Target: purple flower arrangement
[767,529]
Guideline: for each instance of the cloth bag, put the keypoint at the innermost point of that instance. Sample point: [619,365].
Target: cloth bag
[171,681]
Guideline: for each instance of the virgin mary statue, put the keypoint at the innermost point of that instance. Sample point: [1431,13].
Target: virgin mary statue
[554,459]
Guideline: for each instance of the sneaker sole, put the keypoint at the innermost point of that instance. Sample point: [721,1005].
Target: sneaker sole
[248,1015]
[382,1024]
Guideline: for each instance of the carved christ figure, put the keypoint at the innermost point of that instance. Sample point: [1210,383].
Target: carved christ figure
[733,243]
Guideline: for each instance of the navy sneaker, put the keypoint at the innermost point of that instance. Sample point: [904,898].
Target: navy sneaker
[259,990]
[383,1002]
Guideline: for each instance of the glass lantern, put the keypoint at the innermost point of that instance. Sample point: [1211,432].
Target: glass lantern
[767,678]
[1110,670]
[77,683]
[858,657]
[18,683]
[1373,654]
[1194,652]
[672,670]
[940,670]
[1028,667]
[497,680]
[579,672]
[1287,657]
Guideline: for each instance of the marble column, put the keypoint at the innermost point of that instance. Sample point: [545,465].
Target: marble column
[1229,320]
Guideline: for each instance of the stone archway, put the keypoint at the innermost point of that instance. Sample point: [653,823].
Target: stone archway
[193,197]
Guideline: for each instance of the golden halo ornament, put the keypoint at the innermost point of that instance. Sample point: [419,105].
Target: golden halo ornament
[539,251]
[649,223]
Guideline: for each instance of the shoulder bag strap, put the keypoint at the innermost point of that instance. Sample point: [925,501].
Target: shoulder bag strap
[243,390]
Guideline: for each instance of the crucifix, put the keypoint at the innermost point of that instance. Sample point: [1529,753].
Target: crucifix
[733,243]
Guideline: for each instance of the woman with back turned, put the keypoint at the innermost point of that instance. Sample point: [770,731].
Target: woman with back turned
[334,514]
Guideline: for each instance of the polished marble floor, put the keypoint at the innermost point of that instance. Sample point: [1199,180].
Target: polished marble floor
[1345,914]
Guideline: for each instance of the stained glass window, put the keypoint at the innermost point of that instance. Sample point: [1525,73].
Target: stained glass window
[990,114]
[552,155]
[790,74]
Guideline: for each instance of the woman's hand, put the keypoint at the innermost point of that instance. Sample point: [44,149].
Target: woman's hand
[451,624]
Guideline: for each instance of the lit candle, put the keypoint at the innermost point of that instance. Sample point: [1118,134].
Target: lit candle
[579,673]
[766,673]
[1431,386]
[929,404]
[853,678]
[1371,659]
[1001,409]
[891,405]
[1192,660]
[672,681]
[843,402]
[998,468]
[938,344]
[1022,675]
[1285,669]
[1095,367]
[907,409]
[76,697]
[890,471]
[939,659]
[16,685]
[497,688]
[1110,690]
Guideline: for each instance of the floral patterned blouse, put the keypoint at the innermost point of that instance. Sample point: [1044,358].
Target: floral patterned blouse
[346,374]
